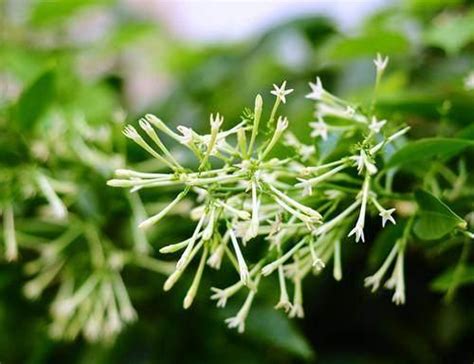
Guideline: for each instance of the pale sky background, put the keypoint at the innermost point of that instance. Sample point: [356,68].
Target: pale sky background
[231,20]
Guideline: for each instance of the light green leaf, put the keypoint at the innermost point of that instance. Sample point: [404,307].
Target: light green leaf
[452,33]
[443,282]
[367,45]
[435,218]
[428,148]
[35,100]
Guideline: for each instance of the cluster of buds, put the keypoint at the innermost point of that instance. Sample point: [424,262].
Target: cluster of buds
[301,206]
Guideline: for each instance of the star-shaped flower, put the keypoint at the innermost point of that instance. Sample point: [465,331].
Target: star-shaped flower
[281,92]
[317,90]
[386,215]
[376,125]
[359,233]
[380,62]
[320,128]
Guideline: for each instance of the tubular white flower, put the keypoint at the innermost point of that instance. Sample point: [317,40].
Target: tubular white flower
[363,162]
[315,180]
[146,126]
[399,279]
[209,229]
[57,206]
[188,300]
[155,218]
[131,133]
[305,209]
[380,63]
[320,128]
[359,227]
[280,92]
[297,307]
[243,270]
[376,125]
[317,90]
[337,269]
[221,295]
[252,230]
[317,262]
[284,301]
[375,279]
[238,321]
[11,246]
[185,257]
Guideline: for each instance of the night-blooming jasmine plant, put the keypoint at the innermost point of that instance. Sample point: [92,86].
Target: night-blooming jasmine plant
[248,190]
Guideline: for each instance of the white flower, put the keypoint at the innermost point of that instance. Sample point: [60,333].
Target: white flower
[284,303]
[380,63]
[187,134]
[217,121]
[282,124]
[399,297]
[280,92]
[350,111]
[306,151]
[238,321]
[469,81]
[359,232]
[320,128]
[317,90]
[386,215]
[215,259]
[243,269]
[297,308]
[373,281]
[220,295]
[376,125]
[363,162]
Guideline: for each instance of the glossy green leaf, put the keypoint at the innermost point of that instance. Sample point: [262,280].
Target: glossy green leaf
[435,218]
[428,148]
[35,100]
[442,283]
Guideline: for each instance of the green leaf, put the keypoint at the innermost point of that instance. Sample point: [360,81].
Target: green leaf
[271,327]
[55,12]
[435,218]
[387,43]
[443,282]
[35,100]
[453,33]
[428,148]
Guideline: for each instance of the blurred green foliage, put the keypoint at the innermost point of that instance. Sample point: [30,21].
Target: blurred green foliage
[56,86]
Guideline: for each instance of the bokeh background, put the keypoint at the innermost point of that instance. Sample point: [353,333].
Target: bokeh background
[107,61]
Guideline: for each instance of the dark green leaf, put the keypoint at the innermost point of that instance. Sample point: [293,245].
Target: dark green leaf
[428,148]
[271,327]
[435,218]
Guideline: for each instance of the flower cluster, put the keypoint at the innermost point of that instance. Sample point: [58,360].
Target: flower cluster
[69,248]
[301,207]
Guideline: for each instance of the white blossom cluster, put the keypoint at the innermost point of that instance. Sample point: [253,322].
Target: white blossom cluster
[301,207]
